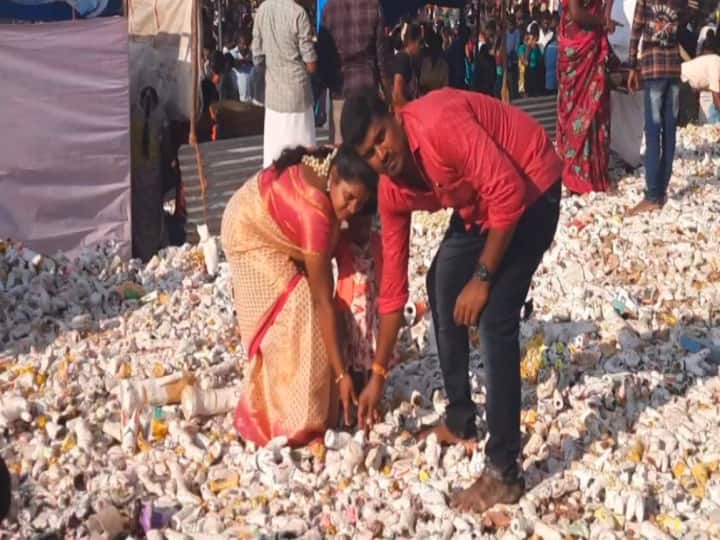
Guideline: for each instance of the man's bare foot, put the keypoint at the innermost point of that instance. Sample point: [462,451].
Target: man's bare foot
[487,491]
[643,207]
[447,438]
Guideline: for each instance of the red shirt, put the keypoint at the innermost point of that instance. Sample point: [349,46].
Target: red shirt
[487,160]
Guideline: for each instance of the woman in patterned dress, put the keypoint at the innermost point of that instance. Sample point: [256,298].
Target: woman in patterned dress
[583,126]
[279,232]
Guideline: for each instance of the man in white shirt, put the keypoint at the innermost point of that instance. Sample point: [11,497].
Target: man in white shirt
[283,44]
[546,33]
[703,75]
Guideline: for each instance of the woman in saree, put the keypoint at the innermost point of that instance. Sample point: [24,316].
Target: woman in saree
[279,232]
[583,125]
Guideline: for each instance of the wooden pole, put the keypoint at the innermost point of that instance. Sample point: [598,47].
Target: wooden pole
[195,70]
[194,29]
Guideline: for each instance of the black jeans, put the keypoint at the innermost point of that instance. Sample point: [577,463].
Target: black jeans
[499,324]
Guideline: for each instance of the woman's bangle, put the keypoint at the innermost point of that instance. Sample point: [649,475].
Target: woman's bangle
[377,369]
[340,378]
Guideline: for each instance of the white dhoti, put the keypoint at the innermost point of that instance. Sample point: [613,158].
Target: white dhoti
[286,130]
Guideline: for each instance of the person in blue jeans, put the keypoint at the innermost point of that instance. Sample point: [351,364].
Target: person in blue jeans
[657,23]
[550,56]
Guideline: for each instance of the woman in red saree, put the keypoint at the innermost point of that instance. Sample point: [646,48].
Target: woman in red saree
[583,125]
[279,232]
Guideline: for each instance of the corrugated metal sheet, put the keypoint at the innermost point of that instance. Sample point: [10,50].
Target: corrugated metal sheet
[543,109]
[229,163]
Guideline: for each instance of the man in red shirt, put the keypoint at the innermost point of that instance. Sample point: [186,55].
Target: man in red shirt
[497,168]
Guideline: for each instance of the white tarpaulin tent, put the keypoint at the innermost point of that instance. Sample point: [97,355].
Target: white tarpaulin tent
[65,152]
[627,114]
[161,53]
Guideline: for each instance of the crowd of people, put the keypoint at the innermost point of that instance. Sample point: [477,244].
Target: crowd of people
[416,125]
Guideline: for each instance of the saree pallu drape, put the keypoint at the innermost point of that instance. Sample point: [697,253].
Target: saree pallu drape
[583,125]
[289,388]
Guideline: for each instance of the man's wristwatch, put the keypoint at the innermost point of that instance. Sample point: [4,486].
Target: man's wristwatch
[481,272]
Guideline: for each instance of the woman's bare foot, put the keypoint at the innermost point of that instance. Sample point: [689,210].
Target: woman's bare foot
[447,438]
[487,491]
[643,207]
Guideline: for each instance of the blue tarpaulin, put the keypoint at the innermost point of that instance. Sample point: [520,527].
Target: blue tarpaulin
[58,10]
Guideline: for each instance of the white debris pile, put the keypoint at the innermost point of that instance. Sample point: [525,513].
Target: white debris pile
[118,383]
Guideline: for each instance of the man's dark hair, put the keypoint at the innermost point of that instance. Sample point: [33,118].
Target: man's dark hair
[358,112]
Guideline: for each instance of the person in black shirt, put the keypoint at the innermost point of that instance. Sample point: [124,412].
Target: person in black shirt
[405,67]
[456,58]
[485,71]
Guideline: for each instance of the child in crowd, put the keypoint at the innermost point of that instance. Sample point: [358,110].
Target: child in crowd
[532,67]
[359,262]
[243,67]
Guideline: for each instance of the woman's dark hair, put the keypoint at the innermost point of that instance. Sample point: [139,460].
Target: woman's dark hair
[350,167]
[358,112]
[370,208]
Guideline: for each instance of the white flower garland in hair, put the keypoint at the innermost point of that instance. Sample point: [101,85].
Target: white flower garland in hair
[321,166]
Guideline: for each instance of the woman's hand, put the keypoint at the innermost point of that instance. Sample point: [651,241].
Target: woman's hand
[348,397]
[609,25]
[368,413]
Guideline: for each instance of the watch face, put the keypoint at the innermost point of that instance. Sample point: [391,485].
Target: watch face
[482,272]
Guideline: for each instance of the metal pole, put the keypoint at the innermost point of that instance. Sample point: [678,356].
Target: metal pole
[220,25]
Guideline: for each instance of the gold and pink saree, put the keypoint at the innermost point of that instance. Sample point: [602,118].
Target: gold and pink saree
[267,226]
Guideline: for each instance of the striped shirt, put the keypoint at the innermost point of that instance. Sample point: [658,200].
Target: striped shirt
[657,23]
[283,42]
